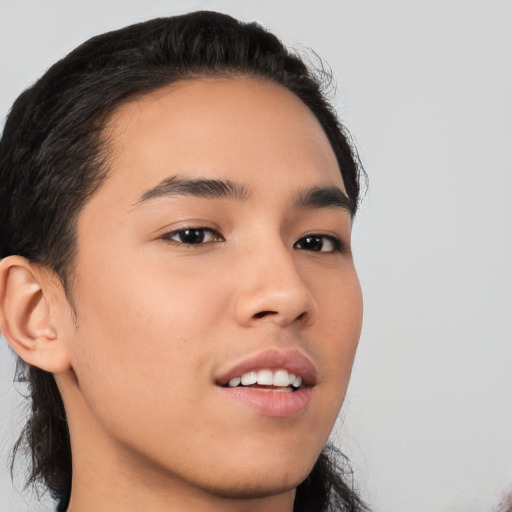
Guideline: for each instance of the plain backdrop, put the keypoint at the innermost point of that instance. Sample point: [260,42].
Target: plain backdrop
[425,88]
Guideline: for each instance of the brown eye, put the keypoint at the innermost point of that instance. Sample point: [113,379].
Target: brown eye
[193,236]
[318,243]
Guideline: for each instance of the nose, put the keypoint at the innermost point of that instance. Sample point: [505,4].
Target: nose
[271,289]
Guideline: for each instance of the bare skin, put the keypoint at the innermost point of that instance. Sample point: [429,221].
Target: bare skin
[163,317]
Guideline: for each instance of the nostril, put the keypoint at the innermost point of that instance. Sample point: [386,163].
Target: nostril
[261,314]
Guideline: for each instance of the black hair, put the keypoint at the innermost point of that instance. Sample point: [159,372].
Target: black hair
[53,157]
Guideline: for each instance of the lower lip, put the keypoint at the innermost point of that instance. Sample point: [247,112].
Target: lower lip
[271,403]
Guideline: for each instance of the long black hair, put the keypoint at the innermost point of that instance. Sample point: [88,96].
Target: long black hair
[52,159]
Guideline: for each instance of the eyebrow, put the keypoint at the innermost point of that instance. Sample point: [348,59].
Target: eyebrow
[316,197]
[210,189]
[324,197]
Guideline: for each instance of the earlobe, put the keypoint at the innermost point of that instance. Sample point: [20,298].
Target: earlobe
[26,319]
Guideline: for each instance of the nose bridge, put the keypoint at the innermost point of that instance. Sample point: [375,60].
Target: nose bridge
[271,287]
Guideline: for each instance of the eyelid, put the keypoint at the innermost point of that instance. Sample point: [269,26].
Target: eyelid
[183,225]
[168,235]
[339,245]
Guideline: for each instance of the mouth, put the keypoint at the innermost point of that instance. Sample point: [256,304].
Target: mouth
[267,380]
[272,383]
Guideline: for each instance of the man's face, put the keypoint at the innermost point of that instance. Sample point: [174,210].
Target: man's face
[203,258]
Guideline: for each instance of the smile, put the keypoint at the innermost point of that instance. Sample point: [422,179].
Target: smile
[272,383]
[273,380]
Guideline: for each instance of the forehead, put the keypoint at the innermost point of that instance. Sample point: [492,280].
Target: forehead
[239,127]
[231,119]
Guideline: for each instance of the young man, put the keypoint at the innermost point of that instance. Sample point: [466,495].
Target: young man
[177,199]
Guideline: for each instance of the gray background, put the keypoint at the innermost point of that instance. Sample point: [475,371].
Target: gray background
[426,90]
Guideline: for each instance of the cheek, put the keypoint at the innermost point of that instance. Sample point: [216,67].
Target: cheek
[149,305]
[141,338]
[340,320]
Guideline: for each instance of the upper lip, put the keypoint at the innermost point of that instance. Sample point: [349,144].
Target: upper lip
[291,360]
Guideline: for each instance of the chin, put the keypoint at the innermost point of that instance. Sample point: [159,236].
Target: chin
[256,489]
[252,483]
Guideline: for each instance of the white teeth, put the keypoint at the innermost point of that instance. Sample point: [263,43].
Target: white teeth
[234,382]
[281,378]
[266,377]
[249,378]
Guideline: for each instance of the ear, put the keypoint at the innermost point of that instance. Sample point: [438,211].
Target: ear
[27,301]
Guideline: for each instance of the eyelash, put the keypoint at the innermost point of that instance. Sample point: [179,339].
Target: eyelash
[336,244]
[200,233]
[217,237]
